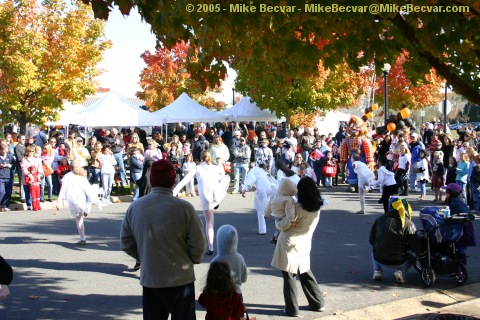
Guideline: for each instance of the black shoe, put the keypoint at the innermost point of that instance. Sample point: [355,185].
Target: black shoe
[137,266]
[42,200]
[22,201]
[49,200]
[273,240]
[209,252]
[216,207]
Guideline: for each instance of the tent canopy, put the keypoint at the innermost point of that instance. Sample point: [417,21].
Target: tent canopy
[246,110]
[331,122]
[185,109]
[114,110]
[68,110]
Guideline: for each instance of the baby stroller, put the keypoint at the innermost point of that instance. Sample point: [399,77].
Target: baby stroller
[440,236]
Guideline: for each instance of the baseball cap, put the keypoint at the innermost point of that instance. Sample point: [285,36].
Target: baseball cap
[236,133]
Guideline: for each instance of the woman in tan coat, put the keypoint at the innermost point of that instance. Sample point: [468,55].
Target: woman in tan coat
[292,252]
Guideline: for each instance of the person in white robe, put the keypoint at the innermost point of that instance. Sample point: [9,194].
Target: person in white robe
[266,186]
[80,196]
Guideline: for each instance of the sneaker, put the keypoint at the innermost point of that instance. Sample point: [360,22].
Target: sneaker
[82,242]
[377,275]
[6,209]
[22,201]
[360,212]
[398,275]
[273,240]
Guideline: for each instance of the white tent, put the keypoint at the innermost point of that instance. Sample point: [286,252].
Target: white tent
[331,122]
[68,110]
[246,110]
[113,110]
[185,109]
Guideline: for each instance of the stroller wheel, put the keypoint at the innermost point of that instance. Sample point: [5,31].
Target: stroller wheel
[461,275]
[428,276]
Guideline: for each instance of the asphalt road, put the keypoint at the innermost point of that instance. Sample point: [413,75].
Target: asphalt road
[57,279]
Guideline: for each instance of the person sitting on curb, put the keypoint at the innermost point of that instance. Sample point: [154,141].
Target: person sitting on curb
[392,236]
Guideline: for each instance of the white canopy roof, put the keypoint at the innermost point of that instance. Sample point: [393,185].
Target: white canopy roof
[114,110]
[246,110]
[68,109]
[185,109]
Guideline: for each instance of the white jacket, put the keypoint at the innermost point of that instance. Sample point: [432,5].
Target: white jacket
[385,178]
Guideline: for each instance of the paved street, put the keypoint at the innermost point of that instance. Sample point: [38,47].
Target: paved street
[56,279]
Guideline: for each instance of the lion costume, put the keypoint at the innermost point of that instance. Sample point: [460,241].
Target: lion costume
[355,142]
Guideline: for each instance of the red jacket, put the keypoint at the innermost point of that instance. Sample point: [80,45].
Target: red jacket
[219,308]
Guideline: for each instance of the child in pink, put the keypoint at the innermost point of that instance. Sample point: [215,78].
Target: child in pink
[34,187]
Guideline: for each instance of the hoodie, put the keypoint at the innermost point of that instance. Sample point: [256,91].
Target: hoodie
[227,240]
[385,177]
[282,203]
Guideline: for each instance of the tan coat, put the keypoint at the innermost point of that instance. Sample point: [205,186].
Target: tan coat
[292,252]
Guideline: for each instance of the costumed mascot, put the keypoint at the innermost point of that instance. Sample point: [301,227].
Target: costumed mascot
[355,142]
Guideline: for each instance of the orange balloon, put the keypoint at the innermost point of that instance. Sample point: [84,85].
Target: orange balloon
[405,112]
[58,126]
[369,115]
[391,127]
[148,103]
[375,107]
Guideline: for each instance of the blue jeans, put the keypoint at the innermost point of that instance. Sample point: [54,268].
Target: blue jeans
[412,176]
[404,267]
[240,169]
[119,157]
[28,198]
[135,177]
[48,180]
[6,186]
[107,183]
[464,189]
[95,176]
[423,187]
[475,196]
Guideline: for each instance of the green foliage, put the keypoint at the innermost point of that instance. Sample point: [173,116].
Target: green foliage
[49,53]
[290,44]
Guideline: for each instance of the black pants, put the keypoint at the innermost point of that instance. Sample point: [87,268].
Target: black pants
[309,287]
[401,177]
[388,191]
[158,303]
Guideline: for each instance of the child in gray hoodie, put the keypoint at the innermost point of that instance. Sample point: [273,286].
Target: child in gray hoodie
[282,204]
[227,240]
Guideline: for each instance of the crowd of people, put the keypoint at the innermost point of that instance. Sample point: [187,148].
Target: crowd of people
[287,168]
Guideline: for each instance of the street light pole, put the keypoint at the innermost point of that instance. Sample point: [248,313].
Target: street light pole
[233,100]
[386,70]
[445,110]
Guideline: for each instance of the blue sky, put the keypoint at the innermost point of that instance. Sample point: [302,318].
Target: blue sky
[122,63]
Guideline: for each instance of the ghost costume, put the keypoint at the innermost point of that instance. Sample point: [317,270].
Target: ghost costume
[212,184]
[266,186]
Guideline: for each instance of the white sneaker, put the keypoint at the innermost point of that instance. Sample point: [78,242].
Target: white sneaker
[377,275]
[398,275]
[6,209]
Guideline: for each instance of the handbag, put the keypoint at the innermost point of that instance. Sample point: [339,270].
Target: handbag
[47,170]
[4,291]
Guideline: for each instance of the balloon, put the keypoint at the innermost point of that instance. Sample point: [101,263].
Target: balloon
[391,127]
[392,118]
[375,107]
[59,127]
[405,113]
[364,118]
[408,122]
[400,124]
[148,103]
[399,116]
[398,131]
[381,130]
[369,115]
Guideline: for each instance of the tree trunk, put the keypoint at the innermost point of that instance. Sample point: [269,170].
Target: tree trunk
[22,122]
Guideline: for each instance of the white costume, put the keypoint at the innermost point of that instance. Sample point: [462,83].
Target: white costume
[78,193]
[266,186]
[212,184]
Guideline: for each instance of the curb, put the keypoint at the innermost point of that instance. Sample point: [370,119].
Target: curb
[463,301]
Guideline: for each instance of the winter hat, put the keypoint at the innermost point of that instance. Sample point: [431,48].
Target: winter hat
[453,187]
[162,174]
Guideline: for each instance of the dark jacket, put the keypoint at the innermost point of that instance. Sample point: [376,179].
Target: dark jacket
[390,240]
[198,146]
[143,183]
[468,238]
[7,173]
[6,272]
[135,165]
[115,143]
